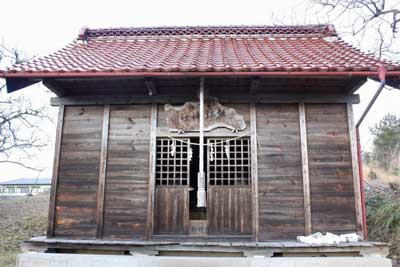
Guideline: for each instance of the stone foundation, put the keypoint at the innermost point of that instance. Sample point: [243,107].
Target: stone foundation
[82,260]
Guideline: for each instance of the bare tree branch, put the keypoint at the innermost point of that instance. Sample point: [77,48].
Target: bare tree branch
[367,19]
[22,165]
[20,135]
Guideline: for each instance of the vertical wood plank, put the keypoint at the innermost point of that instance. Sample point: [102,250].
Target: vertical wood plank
[102,172]
[56,163]
[186,224]
[152,172]
[354,162]
[306,178]
[254,170]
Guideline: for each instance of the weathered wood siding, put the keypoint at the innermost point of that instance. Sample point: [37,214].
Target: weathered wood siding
[279,167]
[280,182]
[75,214]
[229,210]
[127,173]
[171,210]
[330,168]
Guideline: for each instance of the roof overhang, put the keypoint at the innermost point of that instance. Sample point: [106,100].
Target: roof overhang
[19,80]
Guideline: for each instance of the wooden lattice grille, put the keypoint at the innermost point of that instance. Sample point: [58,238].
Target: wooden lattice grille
[228,161]
[173,161]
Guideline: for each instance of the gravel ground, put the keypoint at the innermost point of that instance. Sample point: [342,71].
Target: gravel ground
[20,218]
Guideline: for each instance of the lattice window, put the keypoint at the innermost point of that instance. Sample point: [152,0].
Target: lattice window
[228,161]
[172,161]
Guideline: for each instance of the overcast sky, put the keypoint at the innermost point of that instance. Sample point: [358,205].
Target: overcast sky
[41,27]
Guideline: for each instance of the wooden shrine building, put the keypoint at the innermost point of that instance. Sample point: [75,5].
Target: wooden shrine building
[210,139]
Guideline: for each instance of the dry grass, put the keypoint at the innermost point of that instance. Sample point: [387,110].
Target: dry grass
[21,219]
[382,176]
[383,217]
[383,209]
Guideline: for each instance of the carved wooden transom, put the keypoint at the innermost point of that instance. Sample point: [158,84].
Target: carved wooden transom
[185,118]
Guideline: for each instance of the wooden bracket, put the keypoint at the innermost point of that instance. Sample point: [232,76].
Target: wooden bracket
[151,87]
[255,84]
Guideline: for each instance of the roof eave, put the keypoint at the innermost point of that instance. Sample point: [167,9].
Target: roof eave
[19,80]
[41,75]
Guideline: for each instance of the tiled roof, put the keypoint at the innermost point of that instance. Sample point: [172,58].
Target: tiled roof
[327,30]
[206,49]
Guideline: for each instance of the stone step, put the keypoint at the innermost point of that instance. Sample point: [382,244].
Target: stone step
[81,260]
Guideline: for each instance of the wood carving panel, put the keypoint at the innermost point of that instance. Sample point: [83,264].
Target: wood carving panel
[185,118]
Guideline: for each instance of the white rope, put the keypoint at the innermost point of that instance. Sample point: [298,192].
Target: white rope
[216,143]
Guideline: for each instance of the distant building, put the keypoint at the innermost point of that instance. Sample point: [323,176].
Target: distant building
[25,186]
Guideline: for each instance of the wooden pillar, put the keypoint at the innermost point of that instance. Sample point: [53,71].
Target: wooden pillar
[254,170]
[354,162]
[56,164]
[201,192]
[152,172]
[305,169]
[102,172]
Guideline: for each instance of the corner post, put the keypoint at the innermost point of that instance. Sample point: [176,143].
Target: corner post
[356,176]
[56,164]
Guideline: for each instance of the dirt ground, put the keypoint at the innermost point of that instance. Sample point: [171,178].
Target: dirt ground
[20,218]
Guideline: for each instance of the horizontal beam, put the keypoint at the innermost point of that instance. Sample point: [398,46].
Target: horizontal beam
[290,98]
[119,100]
[195,74]
[177,99]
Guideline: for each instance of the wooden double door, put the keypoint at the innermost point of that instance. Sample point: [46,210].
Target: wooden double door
[229,197]
[229,210]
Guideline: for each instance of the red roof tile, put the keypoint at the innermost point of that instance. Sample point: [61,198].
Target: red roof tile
[207,49]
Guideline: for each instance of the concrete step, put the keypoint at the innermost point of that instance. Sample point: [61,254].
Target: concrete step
[82,260]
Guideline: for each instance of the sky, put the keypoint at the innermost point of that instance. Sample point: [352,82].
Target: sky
[40,27]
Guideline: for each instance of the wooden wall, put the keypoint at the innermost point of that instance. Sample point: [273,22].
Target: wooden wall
[330,169]
[126,177]
[75,213]
[280,166]
[126,183]
[280,186]
[280,171]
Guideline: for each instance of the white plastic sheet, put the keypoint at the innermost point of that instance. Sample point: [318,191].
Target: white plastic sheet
[329,238]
